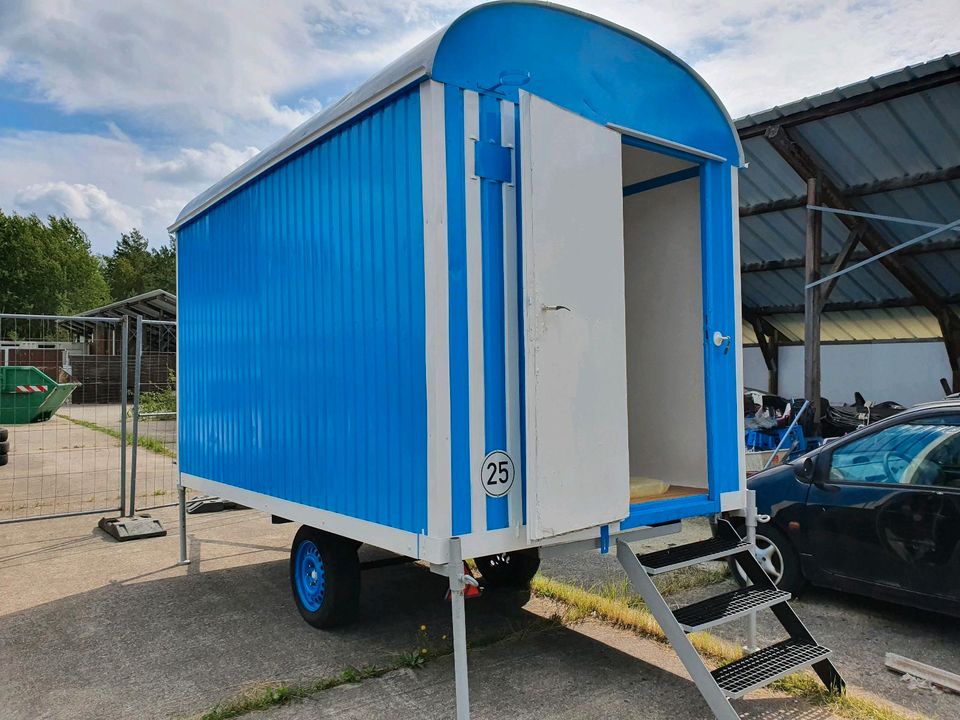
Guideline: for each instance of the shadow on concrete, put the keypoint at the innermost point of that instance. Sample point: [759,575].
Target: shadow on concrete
[149,647]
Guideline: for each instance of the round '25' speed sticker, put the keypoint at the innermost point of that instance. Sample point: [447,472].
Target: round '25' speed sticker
[497,473]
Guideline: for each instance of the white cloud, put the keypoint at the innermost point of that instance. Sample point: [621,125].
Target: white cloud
[80,202]
[191,66]
[197,86]
[109,184]
[185,64]
[197,165]
[758,53]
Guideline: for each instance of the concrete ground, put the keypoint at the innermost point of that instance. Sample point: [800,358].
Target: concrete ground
[90,628]
[859,630]
[59,466]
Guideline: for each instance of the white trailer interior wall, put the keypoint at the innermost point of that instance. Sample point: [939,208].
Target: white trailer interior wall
[664,324]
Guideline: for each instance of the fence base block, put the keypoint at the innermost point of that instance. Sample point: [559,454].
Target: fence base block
[132,528]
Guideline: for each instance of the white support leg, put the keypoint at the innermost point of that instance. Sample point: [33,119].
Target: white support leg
[457,583]
[182,503]
[751,518]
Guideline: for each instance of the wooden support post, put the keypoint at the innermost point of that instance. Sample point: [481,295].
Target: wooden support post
[773,367]
[768,338]
[811,305]
[950,328]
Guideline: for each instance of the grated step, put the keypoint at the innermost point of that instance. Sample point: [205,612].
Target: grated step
[764,666]
[683,556]
[723,608]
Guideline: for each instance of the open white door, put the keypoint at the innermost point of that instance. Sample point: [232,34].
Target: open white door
[577,465]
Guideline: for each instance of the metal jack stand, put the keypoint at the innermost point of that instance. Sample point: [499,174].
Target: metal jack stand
[752,518]
[459,580]
[182,508]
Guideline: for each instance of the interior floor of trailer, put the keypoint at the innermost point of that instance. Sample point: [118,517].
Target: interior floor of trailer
[674,491]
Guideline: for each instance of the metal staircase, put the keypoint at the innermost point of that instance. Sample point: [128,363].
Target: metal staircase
[752,671]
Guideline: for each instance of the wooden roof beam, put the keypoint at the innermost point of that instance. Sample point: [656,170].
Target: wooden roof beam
[803,164]
[904,182]
[934,246]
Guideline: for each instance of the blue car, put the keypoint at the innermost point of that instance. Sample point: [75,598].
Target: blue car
[876,512]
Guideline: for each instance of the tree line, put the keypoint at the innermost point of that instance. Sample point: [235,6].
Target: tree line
[48,267]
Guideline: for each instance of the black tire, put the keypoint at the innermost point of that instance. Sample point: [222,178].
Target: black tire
[4,459]
[509,570]
[4,447]
[783,560]
[332,560]
[4,434]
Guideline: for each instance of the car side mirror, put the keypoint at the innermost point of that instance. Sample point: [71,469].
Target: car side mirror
[805,470]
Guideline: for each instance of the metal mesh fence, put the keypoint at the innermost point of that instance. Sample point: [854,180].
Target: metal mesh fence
[153,469]
[63,392]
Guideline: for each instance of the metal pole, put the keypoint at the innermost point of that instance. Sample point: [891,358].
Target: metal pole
[138,357]
[461,680]
[811,303]
[182,501]
[124,339]
[751,512]
[790,427]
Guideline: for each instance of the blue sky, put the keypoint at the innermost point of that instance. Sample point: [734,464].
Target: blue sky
[118,113]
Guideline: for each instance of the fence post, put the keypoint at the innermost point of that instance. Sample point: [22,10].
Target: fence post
[124,340]
[137,360]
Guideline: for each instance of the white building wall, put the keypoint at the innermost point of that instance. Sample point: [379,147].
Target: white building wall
[908,372]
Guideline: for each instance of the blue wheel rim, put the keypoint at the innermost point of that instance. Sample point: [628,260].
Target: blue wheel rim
[310,579]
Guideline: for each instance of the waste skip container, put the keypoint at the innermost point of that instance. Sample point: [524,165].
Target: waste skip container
[28,395]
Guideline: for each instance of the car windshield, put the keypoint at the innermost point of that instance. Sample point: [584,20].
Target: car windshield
[922,452]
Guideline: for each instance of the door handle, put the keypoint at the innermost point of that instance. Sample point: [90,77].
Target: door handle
[721,340]
[555,307]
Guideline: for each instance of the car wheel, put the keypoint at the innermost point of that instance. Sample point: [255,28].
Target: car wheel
[325,577]
[777,557]
[514,569]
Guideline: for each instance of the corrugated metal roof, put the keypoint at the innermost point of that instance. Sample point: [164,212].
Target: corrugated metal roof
[905,134]
[151,305]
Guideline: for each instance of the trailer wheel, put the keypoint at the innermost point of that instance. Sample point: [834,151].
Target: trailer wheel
[511,570]
[325,577]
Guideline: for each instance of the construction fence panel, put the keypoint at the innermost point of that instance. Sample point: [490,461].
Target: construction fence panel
[63,415]
[153,468]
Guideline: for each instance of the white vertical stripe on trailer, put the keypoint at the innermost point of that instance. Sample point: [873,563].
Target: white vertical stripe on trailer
[471,132]
[511,324]
[434,174]
[737,500]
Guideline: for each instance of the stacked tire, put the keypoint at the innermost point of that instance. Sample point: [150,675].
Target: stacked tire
[4,446]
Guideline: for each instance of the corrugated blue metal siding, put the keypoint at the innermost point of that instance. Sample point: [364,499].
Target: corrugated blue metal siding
[301,301]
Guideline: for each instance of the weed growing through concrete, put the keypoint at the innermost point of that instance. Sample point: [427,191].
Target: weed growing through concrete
[269,695]
[145,442]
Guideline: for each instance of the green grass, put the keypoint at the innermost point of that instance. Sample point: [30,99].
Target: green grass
[613,608]
[614,604]
[272,694]
[268,695]
[148,443]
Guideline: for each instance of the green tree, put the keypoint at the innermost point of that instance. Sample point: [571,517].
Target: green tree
[47,268]
[163,274]
[134,268]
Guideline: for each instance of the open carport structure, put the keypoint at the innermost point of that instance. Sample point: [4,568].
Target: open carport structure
[886,146]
